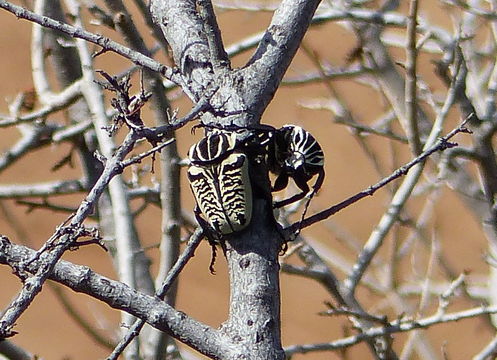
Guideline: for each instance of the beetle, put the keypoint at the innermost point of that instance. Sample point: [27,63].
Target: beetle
[295,153]
[219,178]
[221,183]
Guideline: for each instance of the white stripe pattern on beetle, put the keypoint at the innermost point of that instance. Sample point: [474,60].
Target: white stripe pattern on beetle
[219,179]
[304,150]
[295,153]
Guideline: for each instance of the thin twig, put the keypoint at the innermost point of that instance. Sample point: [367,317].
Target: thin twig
[411,79]
[334,311]
[138,158]
[403,193]
[55,103]
[43,189]
[442,144]
[106,43]
[34,137]
[393,327]
[13,351]
[488,352]
[45,204]
[352,71]
[414,335]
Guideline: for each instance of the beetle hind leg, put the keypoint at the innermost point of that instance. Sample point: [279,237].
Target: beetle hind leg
[211,236]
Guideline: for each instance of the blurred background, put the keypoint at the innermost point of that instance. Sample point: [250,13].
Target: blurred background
[49,331]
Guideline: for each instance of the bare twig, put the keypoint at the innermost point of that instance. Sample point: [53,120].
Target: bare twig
[43,189]
[489,352]
[47,205]
[56,102]
[393,327]
[411,79]
[106,43]
[138,158]
[442,144]
[334,311]
[34,137]
[15,352]
[119,296]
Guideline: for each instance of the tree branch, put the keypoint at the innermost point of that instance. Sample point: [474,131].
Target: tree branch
[43,189]
[56,102]
[442,144]
[14,352]
[119,296]
[276,50]
[411,79]
[105,43]
[183,29]
[219,57]
[392,328]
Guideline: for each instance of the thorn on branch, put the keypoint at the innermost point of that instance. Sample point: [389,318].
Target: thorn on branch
[100,157]
[8,332]
[445,144]
[92,233]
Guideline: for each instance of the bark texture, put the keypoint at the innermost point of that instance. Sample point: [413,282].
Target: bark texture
[252,330]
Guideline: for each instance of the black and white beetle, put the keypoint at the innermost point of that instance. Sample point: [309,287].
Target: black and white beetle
[220,182]
[295,153]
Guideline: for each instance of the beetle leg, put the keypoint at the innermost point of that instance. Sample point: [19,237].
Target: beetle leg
[302,184]
[210,235]
[281,182]
[290,200]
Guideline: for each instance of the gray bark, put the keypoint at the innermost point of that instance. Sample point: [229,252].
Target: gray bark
[252,330]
